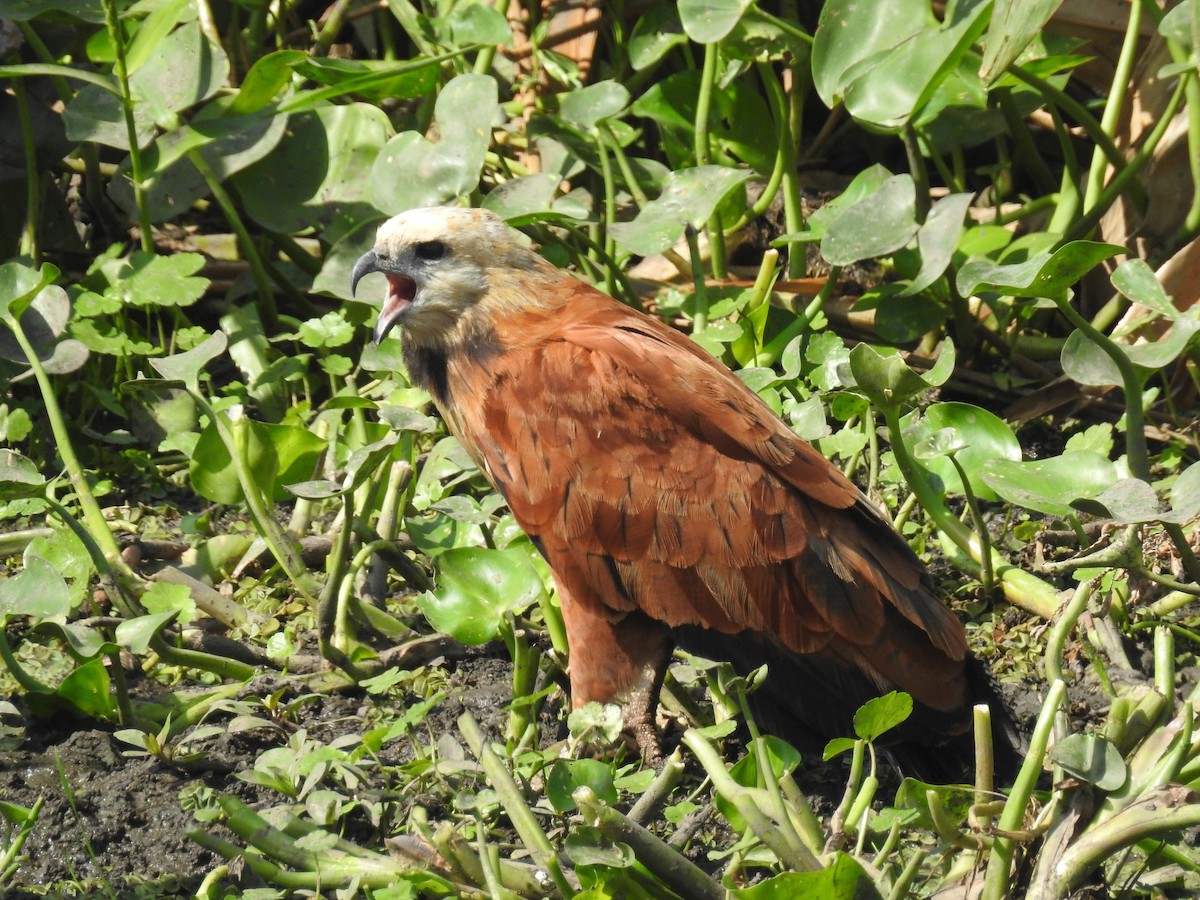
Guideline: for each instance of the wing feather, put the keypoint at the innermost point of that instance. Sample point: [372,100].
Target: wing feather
[660,481]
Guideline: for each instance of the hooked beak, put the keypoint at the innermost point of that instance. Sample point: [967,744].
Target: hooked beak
[401,292]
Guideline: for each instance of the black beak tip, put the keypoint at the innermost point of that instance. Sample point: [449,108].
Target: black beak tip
[367,263]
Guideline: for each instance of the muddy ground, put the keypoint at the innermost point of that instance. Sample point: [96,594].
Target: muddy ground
[114,825]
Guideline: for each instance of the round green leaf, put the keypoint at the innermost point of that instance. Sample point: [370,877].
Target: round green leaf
[411,171]
[689,198]
[37,591]
[983,436]
[566,775]
[1050,485]
[1041,275]
[587,106]
[1136,280]
[477,588]
[850,31]
[19,476]
[707,21]
[877,225]
[1092,759]
[83,643]
[314,177]
[278,455]
[87,688]
[880,715]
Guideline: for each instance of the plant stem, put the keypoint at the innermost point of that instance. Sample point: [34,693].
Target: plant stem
[136,171]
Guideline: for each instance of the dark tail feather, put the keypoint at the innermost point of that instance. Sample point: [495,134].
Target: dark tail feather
[809,699]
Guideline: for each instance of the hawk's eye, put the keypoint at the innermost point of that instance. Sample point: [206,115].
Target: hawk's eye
[430,250]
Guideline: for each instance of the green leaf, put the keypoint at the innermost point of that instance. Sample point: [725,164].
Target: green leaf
[82,642]
[135,634]
[1136,280]
[1042,275]
[707,21]
[19,287]
[19,477]
[1050,485]
[37,591]
[187,366]
[1092,759]
[655,35]
[566,775]
[937,240]
[266,78]
[980,435]
[315,175]
[1185,493]
[843,879]
[888,381]
[477,588]
[587,106]
[1085,362]
[850,31]
[887,89]
[162,597]
[87,689]
[278,455]
[1130,501]
[880,715]
[1015,23]
[689,198]
[784,759]
[411,171]
[877,225]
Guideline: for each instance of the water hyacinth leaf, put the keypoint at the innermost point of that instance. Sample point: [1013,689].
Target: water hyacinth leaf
[937,240]
[87,689]
[269,75]
[314,176]
[655,35]
[566,775]
[277,455]
[707,21]
[1047,274]
[843,879]
[135,634]
[43,321]
[900,319]
[850,31]
[689,198]
[530,199]
[149,280]
[19,287]
[1091,758]
[865,183]
[887,380]
[1014,24]
[1130,501]
[412,171]
[37,591]
[477,588]
[886,90]
[1136,280]
[27,10]
[880,715]
[1050,485]
[19,476]
[477,23]
[1185,493]
[980,436]
[588,106]
[371,80]
[1086,363]
[877,225]
[186,367]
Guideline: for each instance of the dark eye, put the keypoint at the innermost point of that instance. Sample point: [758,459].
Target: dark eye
[430,250]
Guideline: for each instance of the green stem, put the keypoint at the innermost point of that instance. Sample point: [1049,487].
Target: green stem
[700,289]
[998,878]
[1115,102]
[258,270]
[775,347]
[136,171]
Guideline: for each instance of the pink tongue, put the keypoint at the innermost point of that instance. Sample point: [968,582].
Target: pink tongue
[399,296]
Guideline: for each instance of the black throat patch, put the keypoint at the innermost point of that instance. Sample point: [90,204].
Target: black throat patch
[429,367]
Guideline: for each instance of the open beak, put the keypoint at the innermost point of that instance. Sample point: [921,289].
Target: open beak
[401,292]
